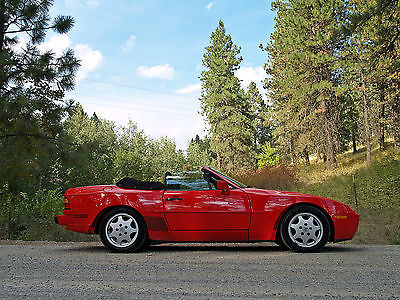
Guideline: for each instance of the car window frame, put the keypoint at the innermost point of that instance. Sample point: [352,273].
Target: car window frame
[209,184]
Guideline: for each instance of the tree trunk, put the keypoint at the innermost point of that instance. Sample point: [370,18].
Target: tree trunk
[2,37]
[354,140]
[307,157]
[366,121]
[396,122]
[2,26]
[382,124]
[291,151]
[382,118]
[40,182]
[329,137]
[319,156]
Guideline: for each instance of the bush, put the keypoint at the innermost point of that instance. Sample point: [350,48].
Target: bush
[31,217]
[272,178]
[268,157]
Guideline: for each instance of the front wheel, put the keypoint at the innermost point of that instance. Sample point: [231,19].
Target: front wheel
[305,229]
[123,230]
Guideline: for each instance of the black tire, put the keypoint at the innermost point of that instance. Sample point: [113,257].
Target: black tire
[304,229]
[123,230]
[280,243]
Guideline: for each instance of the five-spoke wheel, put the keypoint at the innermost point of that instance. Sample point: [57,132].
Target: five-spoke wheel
[304,228]
[122,230]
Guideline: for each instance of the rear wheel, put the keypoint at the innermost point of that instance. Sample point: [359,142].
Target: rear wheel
[305,229]
[123,230]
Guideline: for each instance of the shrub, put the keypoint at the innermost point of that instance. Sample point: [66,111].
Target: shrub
[268,157]
[31,217]
[273,178]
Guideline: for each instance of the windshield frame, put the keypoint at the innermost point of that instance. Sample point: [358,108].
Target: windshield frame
[233,181]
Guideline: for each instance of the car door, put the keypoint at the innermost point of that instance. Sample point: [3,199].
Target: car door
[206,208]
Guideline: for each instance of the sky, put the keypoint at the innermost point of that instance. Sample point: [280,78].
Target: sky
[141,59]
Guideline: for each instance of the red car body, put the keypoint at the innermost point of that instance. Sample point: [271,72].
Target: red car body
[234,214]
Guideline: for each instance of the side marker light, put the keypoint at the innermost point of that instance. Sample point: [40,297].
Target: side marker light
[339,217]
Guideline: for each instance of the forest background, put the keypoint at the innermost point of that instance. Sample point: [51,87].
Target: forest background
[330,125]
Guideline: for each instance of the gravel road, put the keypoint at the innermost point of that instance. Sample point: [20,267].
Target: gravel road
[87,270]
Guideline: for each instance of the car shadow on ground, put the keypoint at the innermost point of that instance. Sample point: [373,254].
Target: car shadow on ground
[190,247]
[238,248]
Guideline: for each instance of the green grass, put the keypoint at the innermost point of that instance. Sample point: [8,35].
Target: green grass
[377,187]
[377,184]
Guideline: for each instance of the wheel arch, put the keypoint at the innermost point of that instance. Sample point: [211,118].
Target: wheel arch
[96,221]
[330,221]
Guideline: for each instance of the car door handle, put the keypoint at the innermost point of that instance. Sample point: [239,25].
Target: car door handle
[173,199]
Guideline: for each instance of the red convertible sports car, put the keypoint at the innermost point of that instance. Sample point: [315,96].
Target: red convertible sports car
[204,206]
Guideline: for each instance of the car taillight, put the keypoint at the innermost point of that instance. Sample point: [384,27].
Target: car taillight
[66,203]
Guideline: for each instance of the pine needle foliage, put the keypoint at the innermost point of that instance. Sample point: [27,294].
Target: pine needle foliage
[32,88]
[225,105]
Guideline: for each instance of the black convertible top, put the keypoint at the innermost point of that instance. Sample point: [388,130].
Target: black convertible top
[134,184]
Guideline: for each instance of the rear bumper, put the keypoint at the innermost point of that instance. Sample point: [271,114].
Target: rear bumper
[63,219]
[74,222]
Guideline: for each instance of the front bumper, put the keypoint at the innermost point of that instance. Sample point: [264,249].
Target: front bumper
[345,229]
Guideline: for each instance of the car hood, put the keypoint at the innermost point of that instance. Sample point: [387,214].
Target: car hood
[279,193]
[329,204]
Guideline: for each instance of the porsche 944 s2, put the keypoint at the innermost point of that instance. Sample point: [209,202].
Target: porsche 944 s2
[205,206]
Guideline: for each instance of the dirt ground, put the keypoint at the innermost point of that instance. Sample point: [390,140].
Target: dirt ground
[262,270]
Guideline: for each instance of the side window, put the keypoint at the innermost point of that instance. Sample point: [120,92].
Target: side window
[187,181]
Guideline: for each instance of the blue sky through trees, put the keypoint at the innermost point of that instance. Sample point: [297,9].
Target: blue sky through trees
[141,59]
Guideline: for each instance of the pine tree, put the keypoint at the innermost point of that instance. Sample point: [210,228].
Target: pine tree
[304,76]
[32,87]
[225,105]
[379,21]
[261,121]
[387,55]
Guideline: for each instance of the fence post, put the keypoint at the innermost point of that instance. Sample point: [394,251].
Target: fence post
[355,190]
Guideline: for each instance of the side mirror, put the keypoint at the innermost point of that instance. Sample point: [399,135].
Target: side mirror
[223,186]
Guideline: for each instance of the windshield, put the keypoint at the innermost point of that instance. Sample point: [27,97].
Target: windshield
[239,184]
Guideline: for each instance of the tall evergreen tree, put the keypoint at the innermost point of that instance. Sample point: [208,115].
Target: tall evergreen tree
[304,76]
[387,40]
[225,105]
[261,122]
[364,78]
[32,87]
[382,19]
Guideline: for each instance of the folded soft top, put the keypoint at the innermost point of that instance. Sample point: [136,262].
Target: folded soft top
[134,184]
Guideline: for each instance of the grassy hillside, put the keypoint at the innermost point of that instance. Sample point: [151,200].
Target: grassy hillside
[377,187]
